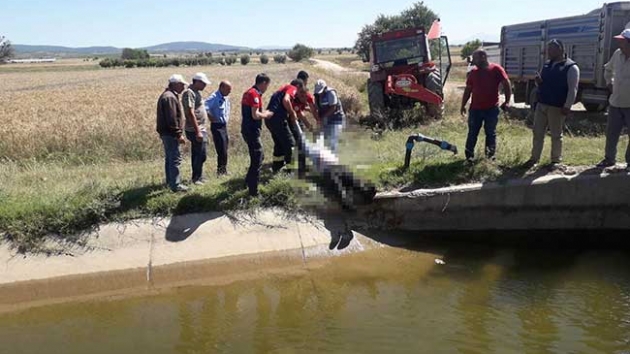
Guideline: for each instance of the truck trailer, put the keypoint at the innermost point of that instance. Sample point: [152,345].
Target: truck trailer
[588,40]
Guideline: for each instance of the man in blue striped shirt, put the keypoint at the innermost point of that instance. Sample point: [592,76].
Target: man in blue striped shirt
[218,108]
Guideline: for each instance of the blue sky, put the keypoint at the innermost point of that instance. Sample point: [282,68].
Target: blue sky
[319,23]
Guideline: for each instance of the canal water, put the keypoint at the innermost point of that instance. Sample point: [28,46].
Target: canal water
[385,300]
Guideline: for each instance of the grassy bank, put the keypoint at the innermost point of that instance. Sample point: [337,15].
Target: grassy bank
[80,150]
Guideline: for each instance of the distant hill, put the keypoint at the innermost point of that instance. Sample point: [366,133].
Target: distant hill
[273,47]
[192,47]
[174,47]
[51,49]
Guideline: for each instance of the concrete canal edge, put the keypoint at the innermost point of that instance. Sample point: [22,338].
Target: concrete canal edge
[152,255]
[582,202]
[215,248]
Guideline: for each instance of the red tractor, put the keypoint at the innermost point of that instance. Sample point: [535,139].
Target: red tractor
[404,71]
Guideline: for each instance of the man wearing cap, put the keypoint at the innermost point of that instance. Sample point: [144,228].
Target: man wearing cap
[219,108]
[253,114]
[170,126]
[196,120]
[557,90]
[284,116]
[617,74]
[331,113]
[483,85]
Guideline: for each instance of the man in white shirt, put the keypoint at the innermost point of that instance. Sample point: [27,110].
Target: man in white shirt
[617,74]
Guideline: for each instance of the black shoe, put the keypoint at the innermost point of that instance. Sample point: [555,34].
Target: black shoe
[180,189]
[531,163]
[606,163]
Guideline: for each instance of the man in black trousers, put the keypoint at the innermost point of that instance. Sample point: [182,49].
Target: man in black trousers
[219,107]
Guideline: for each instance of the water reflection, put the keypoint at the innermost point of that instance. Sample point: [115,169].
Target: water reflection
[385,300]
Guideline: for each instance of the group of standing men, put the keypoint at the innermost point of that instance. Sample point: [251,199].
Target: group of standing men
[557,86]
[284,117]
[182,114]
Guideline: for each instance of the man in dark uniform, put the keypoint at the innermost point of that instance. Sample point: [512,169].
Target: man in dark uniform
[281,104]
[253,114]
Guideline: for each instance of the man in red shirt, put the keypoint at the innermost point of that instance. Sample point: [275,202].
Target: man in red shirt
[483,84]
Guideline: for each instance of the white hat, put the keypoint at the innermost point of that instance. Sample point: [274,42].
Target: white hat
[624,35]
[201,77]
[177,79]
[320,86]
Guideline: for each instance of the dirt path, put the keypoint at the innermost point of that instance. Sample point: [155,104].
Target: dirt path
[330,66]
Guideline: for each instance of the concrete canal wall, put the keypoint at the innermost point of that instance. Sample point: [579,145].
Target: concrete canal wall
[582,202]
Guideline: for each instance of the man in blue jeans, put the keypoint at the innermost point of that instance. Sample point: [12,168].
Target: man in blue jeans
[196,121]
[170,126]
[483,85]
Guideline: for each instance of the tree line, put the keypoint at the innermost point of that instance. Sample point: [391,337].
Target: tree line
[140,58]
[244,59]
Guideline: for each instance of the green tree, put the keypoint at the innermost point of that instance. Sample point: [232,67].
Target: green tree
[470,47]
[300,52]
[245,59]
[133,54]
[264,59]
[280,58]
[418,15]
[6,50]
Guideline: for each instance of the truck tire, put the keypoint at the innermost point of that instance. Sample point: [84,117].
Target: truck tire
[594,107]
[376,98]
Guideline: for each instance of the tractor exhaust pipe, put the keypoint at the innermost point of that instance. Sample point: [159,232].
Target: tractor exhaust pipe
[444,145]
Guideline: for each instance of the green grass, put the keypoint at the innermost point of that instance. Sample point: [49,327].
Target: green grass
[62,200]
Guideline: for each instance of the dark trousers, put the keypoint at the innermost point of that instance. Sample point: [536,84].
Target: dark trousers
[221,143]
[198,154]
[172,161]
[256,157]
[488,119]
[301,155]
[283,142]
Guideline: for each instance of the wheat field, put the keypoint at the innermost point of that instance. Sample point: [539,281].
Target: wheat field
[109,115]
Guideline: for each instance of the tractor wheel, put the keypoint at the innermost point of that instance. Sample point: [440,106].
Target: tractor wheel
[594,107]
[433,83]
[376,98]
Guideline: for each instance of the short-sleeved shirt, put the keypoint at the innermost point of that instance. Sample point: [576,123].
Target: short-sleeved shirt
[252,98]
[219,107]
[484,84]
[327,99]
[275,103]
[299,106]
[191,99]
